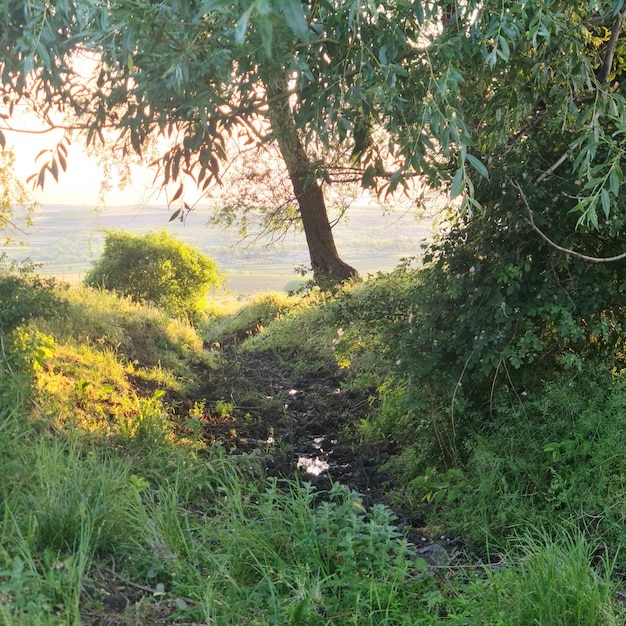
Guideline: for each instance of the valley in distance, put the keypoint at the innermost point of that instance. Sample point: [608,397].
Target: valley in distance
[66,240]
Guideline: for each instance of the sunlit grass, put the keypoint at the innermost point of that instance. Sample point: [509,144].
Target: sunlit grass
[106,354]
[86,388]
[240,320]
[139,332]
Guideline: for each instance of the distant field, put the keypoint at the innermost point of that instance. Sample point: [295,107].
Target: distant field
[67,239]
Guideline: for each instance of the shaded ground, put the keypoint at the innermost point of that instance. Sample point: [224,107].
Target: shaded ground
[306,422]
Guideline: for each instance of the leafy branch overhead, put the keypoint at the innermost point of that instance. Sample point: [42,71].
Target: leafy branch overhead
[397,93]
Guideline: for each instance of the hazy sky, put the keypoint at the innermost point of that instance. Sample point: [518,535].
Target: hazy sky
[80,183]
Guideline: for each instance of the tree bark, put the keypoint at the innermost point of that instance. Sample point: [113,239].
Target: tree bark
[325,261]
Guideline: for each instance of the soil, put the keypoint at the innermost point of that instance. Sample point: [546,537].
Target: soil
[307,422]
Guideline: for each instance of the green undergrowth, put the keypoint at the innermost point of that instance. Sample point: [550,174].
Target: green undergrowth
[519,457]
[116,510]
[294,329]
[552,455]
[208,539]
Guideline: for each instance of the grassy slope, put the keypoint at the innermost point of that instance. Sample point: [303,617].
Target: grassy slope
[117,508]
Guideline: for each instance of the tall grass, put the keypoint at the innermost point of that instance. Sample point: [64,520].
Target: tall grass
[141,333]
[547,579]
[127,499]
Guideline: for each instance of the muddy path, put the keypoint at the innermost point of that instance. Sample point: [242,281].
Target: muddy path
[305,422]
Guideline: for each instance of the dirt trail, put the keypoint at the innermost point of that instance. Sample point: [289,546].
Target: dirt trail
[304,421]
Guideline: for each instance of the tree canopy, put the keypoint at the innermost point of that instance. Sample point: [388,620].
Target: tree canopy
[454,94]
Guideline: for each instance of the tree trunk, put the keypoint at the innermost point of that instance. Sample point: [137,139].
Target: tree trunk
[325,261]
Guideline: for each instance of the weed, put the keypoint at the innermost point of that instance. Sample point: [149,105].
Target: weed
[557,579]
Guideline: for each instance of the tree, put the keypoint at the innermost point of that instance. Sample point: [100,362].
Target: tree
[156,268]
[384,92]
[200,72]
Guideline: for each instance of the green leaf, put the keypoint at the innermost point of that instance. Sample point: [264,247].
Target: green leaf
[614,181]
[419,11]
[44,54]
[470,204]
[177,195]
[41,179]
[369,176]
[504,52]
[266,28]
[478,165]
[54,170]
[606,202]
[242,26]
[293,12]
[458,184]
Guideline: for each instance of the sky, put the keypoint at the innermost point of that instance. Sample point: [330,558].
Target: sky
[80,183]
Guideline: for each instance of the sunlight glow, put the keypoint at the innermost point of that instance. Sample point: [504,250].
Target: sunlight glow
[82,182]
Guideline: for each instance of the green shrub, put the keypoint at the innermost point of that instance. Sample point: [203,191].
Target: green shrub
[554,454]
[156,268]
[24,296]
[277,557]
[494,308]
[498,306]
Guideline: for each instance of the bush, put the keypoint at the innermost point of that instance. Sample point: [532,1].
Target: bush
[25,296]
[554,454]
[494,308]
[156,268]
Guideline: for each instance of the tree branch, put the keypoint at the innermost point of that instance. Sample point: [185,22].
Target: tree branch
[578,255]
[553,167]
[607,64]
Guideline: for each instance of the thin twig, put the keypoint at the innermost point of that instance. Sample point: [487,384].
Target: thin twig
[125,580]
[553,167]
[468,566]
[145,588]
[578,255]
[43,414]
[456,388]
